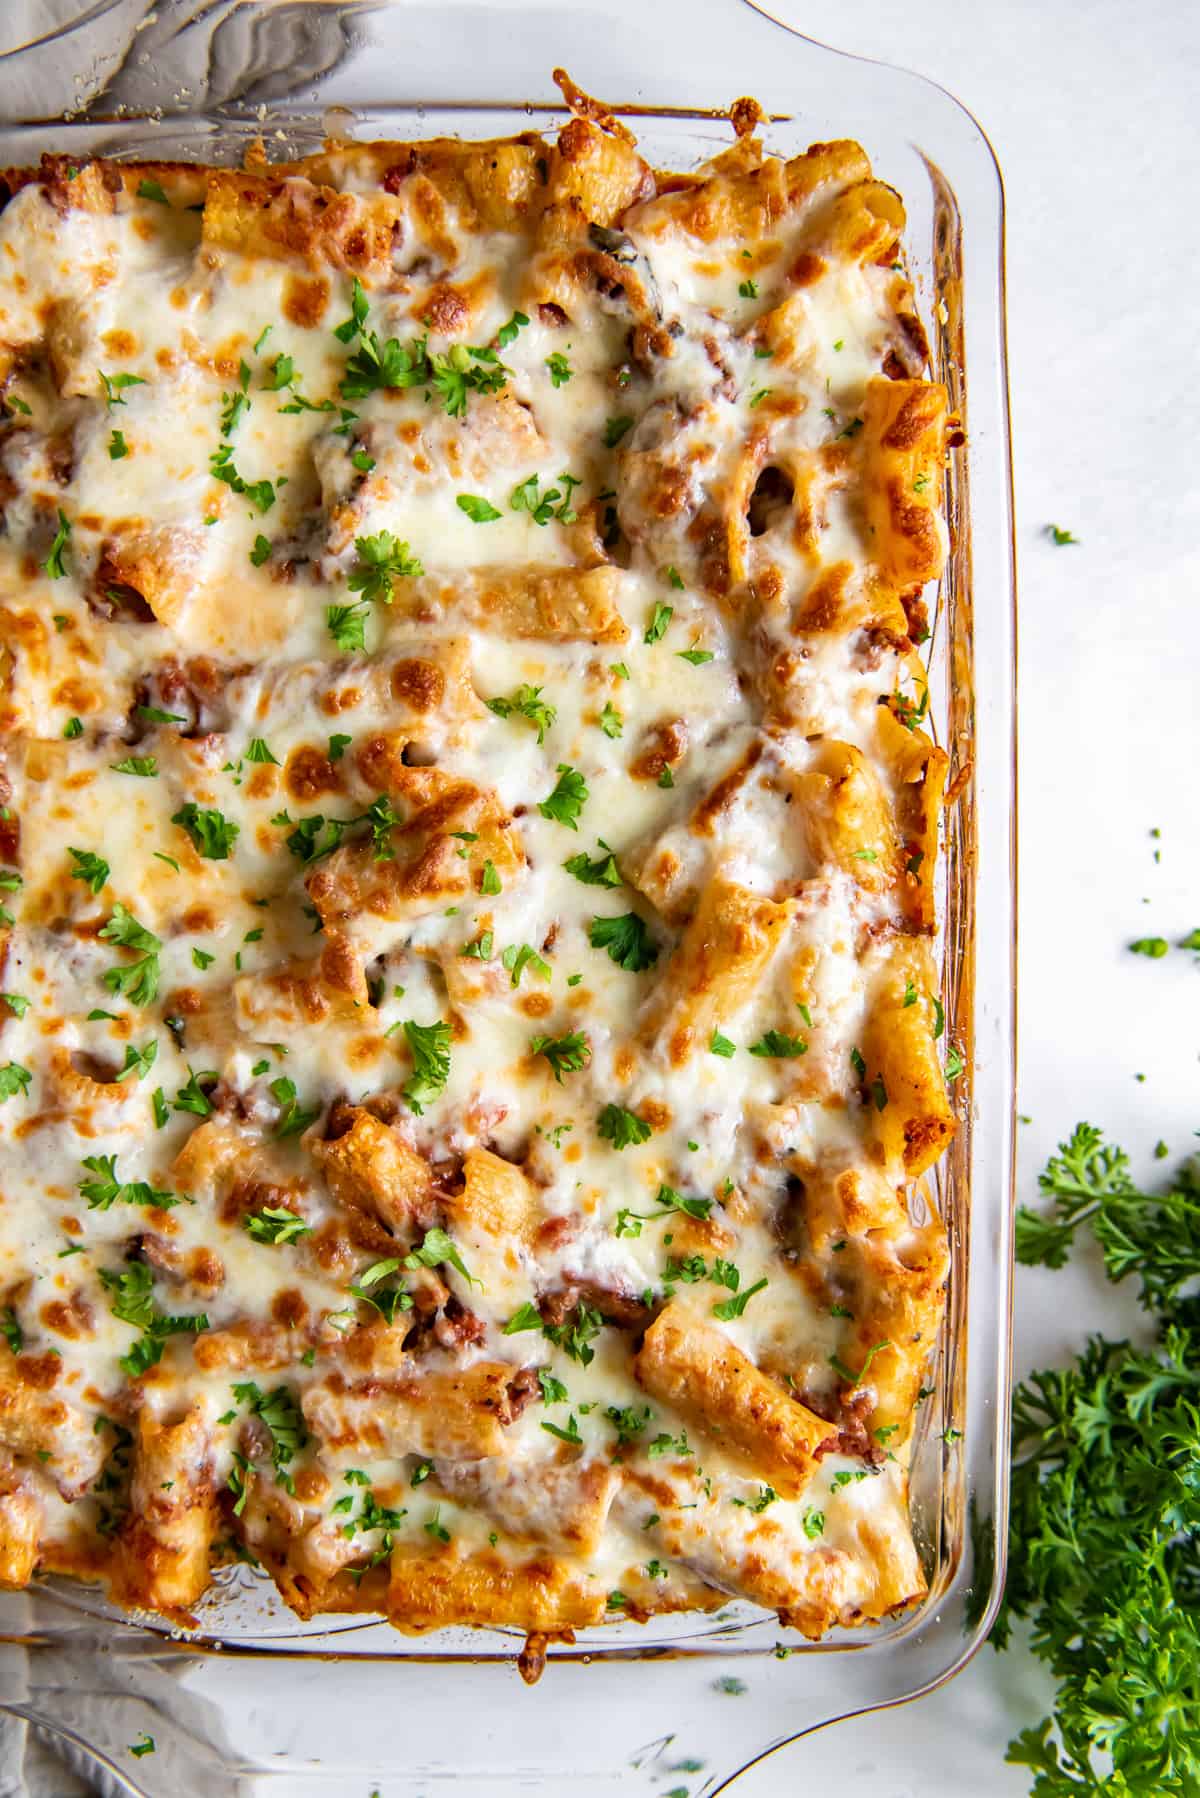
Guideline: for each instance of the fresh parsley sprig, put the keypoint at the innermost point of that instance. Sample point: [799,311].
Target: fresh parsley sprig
[1104,1546]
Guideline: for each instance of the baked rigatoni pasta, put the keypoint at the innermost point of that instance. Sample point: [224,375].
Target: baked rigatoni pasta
[469,1022]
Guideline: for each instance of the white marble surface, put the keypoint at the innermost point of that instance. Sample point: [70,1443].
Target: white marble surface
[1091,109]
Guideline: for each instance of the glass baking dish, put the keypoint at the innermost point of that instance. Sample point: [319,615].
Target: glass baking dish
[255,1700]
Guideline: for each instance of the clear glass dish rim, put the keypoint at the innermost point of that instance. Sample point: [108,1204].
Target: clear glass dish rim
[983,1451]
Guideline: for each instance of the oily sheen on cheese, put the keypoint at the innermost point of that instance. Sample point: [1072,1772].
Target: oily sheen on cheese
[470,1027]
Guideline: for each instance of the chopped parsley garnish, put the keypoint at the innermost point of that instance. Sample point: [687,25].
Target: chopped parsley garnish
[721,1045]
[275,1224]
[429,1045]
[54,565]
[17,1003]
[567,1054]
[145,1744]
[621,1128]
[144,766]
[660,618]
[347,625]
[113,384]
[152,190]
[553,504]
[669,1445]
[697,657]
[569,1435]
[92,869]
[387,1300]
[576,1335]
[192,1096]
[517,959]
[118,449]
[766,1496]
[1155,947]
[628,1421]
[627,940]
[14,1079]
[1060,537]
[382,561]
[280,1412]
[526,702]
[138,1062]
[212,834]
[508,331]
[856,1379]
[261,494]
[568,798]
[434,1527]
[137,980]
[726,1309]
[553,1390]
[611,721]
[559,367]
[777,1045]
[294,1119]
[813,1523]
[261,550]
[748,289]
[479,511]
[202,958]
[107,1189]
[629,1223]
[134,1304]
[615,429]
[909,714]
[73,728]
[527,1318]
[602,872]
[489,880]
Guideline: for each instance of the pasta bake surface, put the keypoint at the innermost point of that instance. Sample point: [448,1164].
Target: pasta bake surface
[469,1009]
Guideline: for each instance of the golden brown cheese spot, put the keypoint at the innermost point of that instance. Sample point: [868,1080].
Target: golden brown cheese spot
[309,773]
[289,1308]
[39,1371]
[305,298]
[73,1317]
[807,269]
[661,748]
[205,1270]
[708,814]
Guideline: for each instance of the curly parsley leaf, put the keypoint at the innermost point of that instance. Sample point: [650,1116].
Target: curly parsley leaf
[526,702]
[429,1046]
[213,835]
[567,1054]
[106,1189]
[627,940]
[382,561]
[137,980]
[92,869]
[568,798]
[622,1128]
[275,1224]
[600,872]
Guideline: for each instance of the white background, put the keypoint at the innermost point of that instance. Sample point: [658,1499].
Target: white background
[1092,107]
